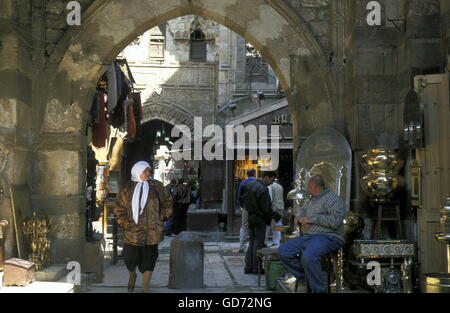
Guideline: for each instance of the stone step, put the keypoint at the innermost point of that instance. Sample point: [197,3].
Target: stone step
[51,273]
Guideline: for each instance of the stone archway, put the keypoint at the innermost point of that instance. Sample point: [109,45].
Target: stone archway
[108,26]
[168,114]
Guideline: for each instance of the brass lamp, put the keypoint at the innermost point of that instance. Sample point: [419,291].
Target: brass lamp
[297,195]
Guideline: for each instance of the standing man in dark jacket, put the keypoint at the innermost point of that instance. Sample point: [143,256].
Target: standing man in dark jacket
[182,199]
[257,203]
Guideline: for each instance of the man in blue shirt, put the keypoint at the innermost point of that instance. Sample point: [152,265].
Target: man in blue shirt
[321,220]
[243,234]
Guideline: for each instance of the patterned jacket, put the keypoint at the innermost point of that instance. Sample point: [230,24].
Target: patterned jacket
[149,230]
[328,212]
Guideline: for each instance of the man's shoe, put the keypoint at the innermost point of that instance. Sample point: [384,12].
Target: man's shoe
[242,250]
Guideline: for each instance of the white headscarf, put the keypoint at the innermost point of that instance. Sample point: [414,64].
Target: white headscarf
[136,172]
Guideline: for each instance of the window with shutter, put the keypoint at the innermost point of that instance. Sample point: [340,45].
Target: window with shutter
[157,43]
[198,46]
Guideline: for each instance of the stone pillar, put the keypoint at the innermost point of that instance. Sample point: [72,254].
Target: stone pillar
[15,103]
[58,191]
[186,262]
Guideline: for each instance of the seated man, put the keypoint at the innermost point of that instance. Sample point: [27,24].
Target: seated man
[321,220]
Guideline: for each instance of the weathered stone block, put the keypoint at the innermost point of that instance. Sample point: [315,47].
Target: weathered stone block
[423,26]
[67,226]
[371,37]
[377,89]
[58,172]
[51,273]
[63,251]
[319,28]
[93,259]
[186,262]
[425,54]
[376,62]
[8,113]
[59,204]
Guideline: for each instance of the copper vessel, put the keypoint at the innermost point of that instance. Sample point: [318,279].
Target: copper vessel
[382,179]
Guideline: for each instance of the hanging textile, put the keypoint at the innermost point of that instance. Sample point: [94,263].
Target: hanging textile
[119,118]
[93,112]
[99,135]
[112,87]
[137,109]
[131,122]
[137,106]
[119,77]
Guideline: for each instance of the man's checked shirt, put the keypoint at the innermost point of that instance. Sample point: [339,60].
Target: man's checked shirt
[328,212]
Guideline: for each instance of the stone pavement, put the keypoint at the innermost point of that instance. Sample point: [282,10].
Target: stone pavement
[223,273]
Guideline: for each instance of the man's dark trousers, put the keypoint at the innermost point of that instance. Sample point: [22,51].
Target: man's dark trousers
[257,232]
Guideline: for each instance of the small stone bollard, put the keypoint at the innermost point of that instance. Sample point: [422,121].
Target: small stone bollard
[186,262]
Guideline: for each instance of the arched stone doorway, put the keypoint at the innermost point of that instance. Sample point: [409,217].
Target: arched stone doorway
[168,112]
[283,39]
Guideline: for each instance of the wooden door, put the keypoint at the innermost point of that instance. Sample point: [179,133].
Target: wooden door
[435,159]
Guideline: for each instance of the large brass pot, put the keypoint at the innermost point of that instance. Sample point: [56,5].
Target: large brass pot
[381,186]
[381,160]
[382,179]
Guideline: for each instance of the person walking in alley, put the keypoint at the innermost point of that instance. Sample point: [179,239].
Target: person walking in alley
[169,224]
[243,234]
[321,220]
[276,195]
[257,203]
[143,206]
[182,199]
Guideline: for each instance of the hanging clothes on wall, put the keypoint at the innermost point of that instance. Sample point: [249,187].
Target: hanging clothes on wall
[112,87]
[119,117]
[93,112]
[138,113]
[131,121]
[99,134]
[137,109]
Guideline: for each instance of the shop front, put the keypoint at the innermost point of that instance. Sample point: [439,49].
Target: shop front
[280,161]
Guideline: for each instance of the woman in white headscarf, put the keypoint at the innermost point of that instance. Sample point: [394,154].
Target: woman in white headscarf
[143,206]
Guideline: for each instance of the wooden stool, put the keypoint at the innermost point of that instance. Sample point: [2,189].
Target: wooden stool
[328,260]
[388,211]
